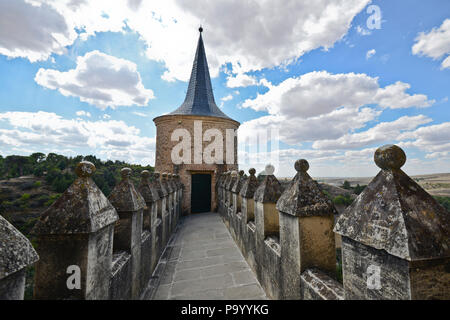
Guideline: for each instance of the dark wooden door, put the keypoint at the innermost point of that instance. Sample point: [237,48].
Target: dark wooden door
[201,193]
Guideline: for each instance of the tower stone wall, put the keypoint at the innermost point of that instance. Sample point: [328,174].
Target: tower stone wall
[167,124]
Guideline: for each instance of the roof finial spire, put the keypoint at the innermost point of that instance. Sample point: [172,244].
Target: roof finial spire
[199,96]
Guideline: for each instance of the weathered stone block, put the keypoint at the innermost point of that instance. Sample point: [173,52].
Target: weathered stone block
[147,246]
[250,246]
[376,275]
[270,267]
[16,253]
[158,242]
[359,262]
[12,287]
[91,252]
[121,276]
[316,285]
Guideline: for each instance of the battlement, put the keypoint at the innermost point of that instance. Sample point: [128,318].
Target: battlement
[395,236]
[93,247]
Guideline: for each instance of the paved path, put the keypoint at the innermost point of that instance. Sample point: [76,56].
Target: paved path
[205,263]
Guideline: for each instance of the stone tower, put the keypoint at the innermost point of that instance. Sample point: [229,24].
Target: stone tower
[202,135]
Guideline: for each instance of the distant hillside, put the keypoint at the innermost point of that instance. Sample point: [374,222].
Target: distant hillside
[437,184]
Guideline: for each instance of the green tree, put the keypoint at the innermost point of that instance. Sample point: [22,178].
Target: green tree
[343,200]
[358,189]
[444,201]
[17,166]
[39,170]
[346,185]
[61,164]
[37,157]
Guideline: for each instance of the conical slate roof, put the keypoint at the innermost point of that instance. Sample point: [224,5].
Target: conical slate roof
[199,97]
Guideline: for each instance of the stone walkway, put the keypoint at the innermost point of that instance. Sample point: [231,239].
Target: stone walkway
[205,263]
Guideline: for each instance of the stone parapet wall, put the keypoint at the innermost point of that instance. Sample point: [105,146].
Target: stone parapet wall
[91,247]
[395,236]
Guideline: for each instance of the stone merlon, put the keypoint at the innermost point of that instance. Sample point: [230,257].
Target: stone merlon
[303,197]
[226,180]
[270,188]
[146,188]
[124,196]
[166,183]
[16,252]
[250,185]
[82,208]
[239,182]
[395,214]
[232,181]
[162,192]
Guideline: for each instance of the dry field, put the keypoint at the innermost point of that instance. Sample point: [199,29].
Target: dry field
[437,184]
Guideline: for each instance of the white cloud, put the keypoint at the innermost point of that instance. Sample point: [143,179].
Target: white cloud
[32,30]
[320,92]
[434,44]
[140,114]
[440,155]
[370,53]
[362,31]
[240,80]
[295,130]
[434,138]
[326,109]
[99,79]
[108,139]
[381,133]
[83,113]
[395,96]
[227,98]
[235,31]
[446,63]
[252,35]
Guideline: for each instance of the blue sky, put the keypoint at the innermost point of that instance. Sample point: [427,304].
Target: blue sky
[88,78]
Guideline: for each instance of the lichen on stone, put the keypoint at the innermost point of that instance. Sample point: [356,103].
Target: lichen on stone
[250,185]
[269,190]
[124,197]
[147,189]
[239,182]
[16,251]
[156,178]
[303,197]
